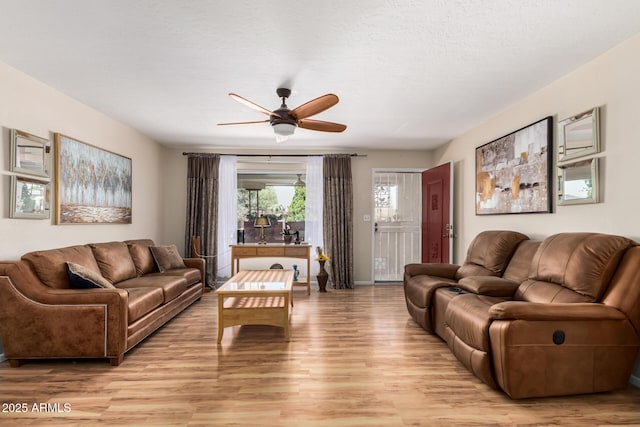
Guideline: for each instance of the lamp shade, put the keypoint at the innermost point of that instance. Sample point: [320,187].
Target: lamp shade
[262,221]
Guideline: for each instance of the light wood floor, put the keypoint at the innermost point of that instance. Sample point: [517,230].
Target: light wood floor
[355,359]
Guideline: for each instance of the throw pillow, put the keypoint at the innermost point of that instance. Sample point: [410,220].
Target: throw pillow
[167,257]
[84,278]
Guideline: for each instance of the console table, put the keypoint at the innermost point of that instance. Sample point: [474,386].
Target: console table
[273,250]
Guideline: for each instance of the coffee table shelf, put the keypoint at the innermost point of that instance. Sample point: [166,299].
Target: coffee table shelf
[256,297]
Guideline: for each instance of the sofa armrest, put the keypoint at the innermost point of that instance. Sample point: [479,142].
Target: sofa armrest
[447,271]
[70,322]
[522,310]
[198,263]
[488,285]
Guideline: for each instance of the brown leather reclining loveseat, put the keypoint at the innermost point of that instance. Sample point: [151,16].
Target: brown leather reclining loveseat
[43,316]
[570,326]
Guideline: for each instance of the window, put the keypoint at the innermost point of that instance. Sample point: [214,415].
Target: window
[274,195]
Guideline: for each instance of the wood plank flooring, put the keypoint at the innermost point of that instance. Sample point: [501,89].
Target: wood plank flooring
[355,359]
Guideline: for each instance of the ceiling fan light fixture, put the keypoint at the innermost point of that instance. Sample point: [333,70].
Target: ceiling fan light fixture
[283,131]
[299,182]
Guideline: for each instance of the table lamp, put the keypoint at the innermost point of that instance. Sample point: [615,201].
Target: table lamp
[262,222]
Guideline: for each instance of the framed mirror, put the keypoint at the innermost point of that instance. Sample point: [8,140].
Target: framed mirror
[578,182]
[29,198]
[579,135]
[29,154]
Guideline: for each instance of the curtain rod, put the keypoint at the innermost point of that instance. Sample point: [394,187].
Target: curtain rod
[273,155]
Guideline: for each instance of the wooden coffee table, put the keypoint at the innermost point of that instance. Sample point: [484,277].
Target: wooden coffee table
[256,297]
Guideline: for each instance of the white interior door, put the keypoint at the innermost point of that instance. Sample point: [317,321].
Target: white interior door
[397,218]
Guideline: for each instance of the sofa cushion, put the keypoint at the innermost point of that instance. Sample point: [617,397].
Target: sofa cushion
[142,301]
[192,275]
[566,263]
[114,261]
[167,257]
[490,252]
[85,278]
[141,255]
[171,286]
[51,265]
[520,263]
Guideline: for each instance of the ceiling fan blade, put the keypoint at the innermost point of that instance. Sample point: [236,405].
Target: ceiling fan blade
[314,106]
[244,123]
[321,125]
[253,105]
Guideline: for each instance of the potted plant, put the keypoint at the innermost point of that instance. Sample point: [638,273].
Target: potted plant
[287,236]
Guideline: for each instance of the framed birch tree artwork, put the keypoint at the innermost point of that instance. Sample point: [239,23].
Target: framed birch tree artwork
[93,186]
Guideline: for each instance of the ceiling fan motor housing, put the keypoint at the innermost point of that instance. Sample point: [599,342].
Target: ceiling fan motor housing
[283,115]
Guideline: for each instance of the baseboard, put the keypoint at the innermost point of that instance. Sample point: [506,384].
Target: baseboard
[635,381]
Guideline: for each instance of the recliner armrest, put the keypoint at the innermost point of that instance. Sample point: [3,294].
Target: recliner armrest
[488,285]
[522,310]
[432,269]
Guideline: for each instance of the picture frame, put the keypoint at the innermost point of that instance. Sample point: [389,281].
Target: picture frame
[514,172]
[93,185]
[579,135]
[30,154]
[29,198]
[578,182]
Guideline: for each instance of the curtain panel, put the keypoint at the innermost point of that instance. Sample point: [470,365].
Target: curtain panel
[313,207]
[227,213]
[338,218]
[202,208]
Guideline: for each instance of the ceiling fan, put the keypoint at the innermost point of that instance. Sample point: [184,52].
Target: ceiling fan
[284,121]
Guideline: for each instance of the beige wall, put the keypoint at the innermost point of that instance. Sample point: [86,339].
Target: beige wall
[32,107]
[175,173]
[610,82]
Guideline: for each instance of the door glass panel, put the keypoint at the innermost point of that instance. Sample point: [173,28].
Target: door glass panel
[397,216]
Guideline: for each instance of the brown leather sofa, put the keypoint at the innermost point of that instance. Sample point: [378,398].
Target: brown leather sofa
[42,316]
[571,326]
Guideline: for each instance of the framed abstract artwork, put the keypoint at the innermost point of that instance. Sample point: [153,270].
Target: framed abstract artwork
[514,172]
[93,186]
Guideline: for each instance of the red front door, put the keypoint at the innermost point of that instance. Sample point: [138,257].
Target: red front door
[437,221]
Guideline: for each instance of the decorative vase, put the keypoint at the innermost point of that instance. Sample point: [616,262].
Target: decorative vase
[287,238]
[322,277]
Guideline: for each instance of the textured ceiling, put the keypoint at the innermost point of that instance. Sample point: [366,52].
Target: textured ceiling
[409,74]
